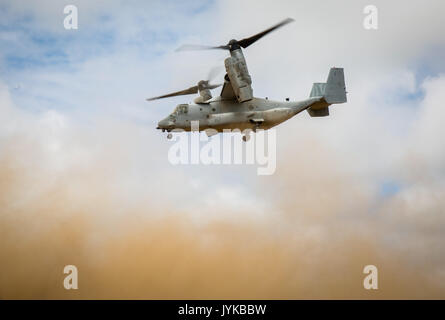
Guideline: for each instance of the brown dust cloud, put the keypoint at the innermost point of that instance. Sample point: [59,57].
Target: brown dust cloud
[322,225]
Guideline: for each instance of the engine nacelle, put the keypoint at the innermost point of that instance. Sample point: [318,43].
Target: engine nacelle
[204,92]
[239,76]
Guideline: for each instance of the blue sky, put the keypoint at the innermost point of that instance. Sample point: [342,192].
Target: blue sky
[32,51]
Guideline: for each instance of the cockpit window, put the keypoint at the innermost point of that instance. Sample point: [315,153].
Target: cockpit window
[181,108]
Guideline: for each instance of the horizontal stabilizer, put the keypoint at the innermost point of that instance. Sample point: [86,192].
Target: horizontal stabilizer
[323,112]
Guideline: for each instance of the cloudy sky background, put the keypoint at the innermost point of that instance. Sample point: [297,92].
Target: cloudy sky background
[85,179]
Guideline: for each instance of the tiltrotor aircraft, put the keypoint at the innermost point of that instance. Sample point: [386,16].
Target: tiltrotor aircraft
[236,107]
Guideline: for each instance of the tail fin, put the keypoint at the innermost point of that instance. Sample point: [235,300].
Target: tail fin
[334,90]
[318,90]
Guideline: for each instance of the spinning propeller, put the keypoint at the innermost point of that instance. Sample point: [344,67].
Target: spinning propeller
[236,44]
[201,86]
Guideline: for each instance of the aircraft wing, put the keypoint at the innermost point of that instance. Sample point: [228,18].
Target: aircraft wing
[227,92]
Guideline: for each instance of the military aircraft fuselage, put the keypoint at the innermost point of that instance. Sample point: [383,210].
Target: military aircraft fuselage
[219,114]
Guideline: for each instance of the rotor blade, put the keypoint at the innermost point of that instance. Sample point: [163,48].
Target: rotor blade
[214,72]
[190,90]
[194,47]
[248,41]
[213,86]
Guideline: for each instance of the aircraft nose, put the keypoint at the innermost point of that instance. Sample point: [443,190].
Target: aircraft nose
[165,124]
